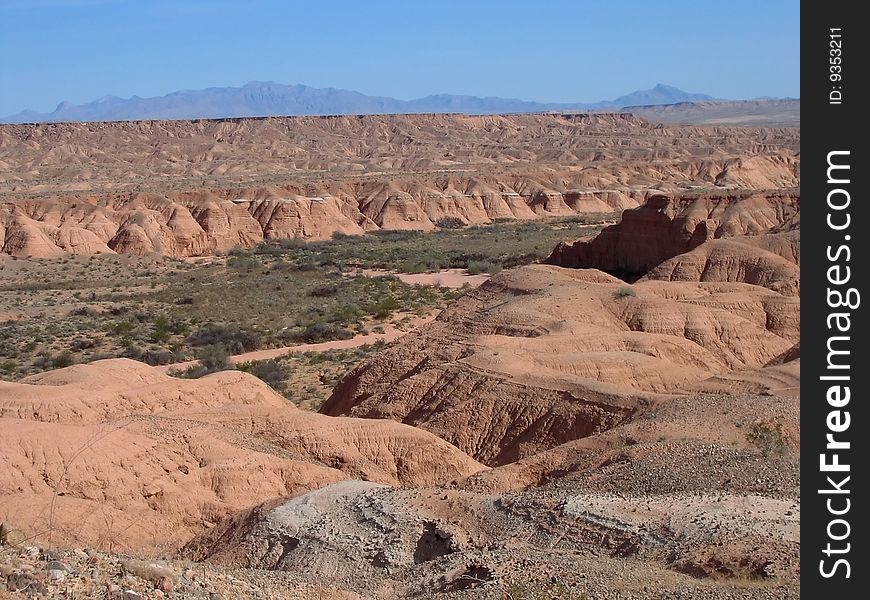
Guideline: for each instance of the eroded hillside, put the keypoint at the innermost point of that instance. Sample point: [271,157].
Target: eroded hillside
[189,188]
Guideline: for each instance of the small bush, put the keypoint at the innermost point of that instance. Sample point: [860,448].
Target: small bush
[82,344]
[124,328]
[320,332]
[8,367]
[769,438]
[292,244]
[231,337]
[412,266]
[268,249]
[516,260]
[397,235]
[449,223]
[383,307]
[476,267]
[273,372]
[323,291]
[307,264]
[83,311]
[625,292]
[64,359]
[161,329]
[212,359]
[245,262]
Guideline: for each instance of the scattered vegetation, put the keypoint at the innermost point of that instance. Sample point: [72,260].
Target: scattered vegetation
[540,591]
[625,292]
[162,310]
[505,243]
[769,438]
[212,358]
[476,267]
[319,332]
[232,338]
[450,223]
[274,372]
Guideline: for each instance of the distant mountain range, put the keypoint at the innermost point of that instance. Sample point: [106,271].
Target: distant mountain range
[260,99]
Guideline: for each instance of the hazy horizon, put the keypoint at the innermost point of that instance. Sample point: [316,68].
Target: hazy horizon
[558,51]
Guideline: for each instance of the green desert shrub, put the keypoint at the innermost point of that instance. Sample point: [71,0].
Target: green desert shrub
[319,332]
[232,337]
[769,438]
[64,359]
[244,262]
[273,372]
[449,223]
[212,358]
[323,291]
[625,292]
[476,267]
[83,311]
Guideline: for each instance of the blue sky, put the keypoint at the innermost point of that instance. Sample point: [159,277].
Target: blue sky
[546,50]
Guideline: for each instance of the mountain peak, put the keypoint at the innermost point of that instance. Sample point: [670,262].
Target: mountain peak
[269,98]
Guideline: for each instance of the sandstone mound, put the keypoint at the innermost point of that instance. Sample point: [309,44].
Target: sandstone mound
[117,388]
[735,261]
[668,225]
[117,454]
[539,356]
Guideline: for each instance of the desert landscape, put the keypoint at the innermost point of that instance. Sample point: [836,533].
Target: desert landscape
[515,356]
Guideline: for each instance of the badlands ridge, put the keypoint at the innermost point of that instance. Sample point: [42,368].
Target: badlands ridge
[190,188]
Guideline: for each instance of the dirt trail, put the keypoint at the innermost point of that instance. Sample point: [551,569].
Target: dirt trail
[450,278]
[391,333]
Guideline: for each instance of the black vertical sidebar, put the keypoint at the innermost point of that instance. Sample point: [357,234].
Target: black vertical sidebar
[835,421]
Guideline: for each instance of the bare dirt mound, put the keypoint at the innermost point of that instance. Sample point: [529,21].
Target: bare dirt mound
[733,260]
[540,356]
[116,454]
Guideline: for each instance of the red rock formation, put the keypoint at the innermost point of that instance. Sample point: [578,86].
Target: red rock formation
[668,225]
[188,188]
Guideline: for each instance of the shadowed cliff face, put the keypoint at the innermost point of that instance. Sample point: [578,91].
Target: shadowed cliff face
[669,225]
[187,188]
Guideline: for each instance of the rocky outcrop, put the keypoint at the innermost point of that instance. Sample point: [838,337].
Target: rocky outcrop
[733,260]
[214,154]
[190,224]
[668,225]
[200,224]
